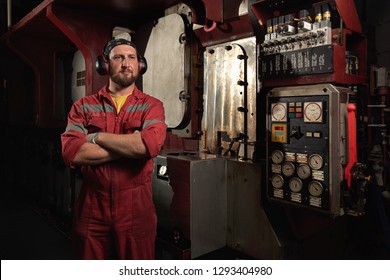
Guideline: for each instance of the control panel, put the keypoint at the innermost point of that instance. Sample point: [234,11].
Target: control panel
[310,42]
[297,46]
[306,146]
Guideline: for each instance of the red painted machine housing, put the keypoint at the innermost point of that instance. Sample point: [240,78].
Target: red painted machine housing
[345,38]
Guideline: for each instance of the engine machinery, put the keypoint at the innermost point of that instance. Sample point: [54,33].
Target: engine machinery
[305,67]
[311,137]
[278,137]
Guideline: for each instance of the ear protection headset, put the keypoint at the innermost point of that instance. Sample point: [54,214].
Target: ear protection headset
[102,61]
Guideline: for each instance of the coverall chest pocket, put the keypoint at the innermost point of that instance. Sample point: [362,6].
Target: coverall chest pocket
[96,124]
[131,126]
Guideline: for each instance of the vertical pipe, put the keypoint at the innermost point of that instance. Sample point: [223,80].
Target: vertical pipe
[9,14]
[383,92]
[352,145]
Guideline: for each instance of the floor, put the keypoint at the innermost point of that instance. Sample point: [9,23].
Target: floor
[28,232]
[27,235]
[31,233]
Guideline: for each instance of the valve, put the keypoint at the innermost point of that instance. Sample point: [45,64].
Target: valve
[360,183]
[357,181]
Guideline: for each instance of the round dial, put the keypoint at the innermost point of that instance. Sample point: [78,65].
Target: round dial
[316,161]
[279,112]
[277,157]
[295,184]
[288,169]
[303,171]
[277,181]
[163,170]
[315,188]
[312,112]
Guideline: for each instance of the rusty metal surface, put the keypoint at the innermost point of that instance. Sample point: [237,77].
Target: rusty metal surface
[225,98]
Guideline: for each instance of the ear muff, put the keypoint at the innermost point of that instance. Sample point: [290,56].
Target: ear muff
[142,65]
[101,65]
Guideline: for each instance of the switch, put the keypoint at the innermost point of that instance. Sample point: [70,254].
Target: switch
[296,132]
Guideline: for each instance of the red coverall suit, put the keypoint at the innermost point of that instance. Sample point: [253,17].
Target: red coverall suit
[114,215]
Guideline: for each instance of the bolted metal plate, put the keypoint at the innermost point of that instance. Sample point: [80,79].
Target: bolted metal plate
[167,62]
[224,93]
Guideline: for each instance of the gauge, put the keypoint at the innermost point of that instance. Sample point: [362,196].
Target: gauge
[279,112]
[277,156]
[295,184]
[163,170]
[303,171]
[312,112]
[316,161]
[277,181]
[288,169]
[315,188]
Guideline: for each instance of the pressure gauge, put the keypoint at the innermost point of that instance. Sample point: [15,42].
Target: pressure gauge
[315,188]
[312,112]
[303,171]
[295,184]
[162,171]
[288,169]
[277,156]
[277,181]
[316,161]
[279,112]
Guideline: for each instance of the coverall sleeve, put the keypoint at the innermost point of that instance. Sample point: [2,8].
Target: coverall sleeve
[154,128]
[75,133]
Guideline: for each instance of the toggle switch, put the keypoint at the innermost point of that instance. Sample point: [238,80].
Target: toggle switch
[296,132]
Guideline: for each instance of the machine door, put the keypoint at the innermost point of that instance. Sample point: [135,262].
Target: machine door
[167,77]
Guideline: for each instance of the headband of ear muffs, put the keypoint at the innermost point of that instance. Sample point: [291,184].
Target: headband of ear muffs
[102,65]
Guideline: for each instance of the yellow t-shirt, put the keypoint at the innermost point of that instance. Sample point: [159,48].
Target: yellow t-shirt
[119,101]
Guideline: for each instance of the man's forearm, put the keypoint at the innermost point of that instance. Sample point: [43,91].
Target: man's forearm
[126,145]
[93,154]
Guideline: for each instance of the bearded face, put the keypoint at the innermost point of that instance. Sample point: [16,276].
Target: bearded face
[123,65]
[124,77]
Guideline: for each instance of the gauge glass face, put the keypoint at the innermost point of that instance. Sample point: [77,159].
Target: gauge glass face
[295,184]
[279,112]
[303,171]
[315,188]
[277,181]
[162,171]
[288,169]
[312,112]
[277,157]
[316,161]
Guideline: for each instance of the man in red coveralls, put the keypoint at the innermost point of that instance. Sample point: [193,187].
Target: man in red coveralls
[113,136]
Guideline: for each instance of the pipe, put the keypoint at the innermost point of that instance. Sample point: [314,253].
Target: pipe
[352,150]
[211,28]
[9,14]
